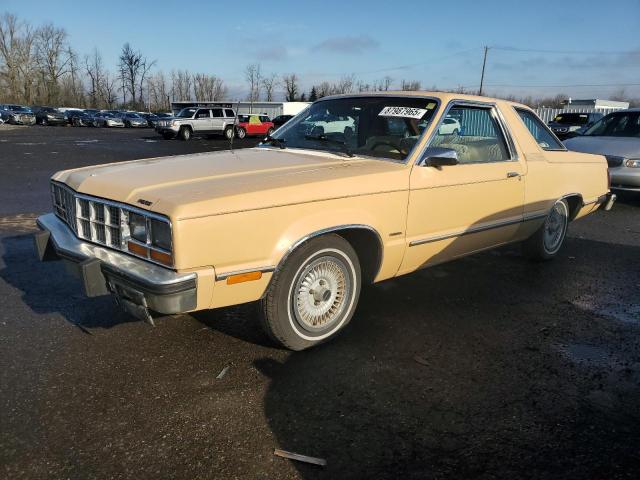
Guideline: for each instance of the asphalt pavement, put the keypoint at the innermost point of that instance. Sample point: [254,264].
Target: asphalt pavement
[487,367]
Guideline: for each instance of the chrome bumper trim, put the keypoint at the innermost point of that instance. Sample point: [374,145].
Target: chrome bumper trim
[107,271]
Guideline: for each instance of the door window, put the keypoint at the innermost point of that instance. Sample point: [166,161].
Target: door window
[540,132]
[477,136]
[203,113]
[217,113]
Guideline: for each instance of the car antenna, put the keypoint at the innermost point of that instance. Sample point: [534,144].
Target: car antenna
[233,127]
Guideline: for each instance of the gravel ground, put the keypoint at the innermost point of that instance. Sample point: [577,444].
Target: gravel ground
[487,367]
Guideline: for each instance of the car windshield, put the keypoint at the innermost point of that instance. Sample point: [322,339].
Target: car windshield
[18,108]
[133,115]
[621,124]
[186,113]
[384,126]
[572,118]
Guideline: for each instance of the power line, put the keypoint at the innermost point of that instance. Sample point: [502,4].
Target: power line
[568,52]
[559,86]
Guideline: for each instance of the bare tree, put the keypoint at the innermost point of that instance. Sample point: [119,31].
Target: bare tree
[95,72]
[159,91]
[10,38]
[383,85]
[53,60]
[269,83]
[253,76]
[108,89]
[134,68]
[291,87]
[408,85]
[181,82]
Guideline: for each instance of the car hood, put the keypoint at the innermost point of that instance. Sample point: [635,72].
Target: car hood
[215,183]
[626,147]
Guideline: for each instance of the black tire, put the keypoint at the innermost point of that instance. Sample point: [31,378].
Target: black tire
[228,133]
[127,124]
[44,122]
[333,265]
[185,134]
[241,133]
[455,131]
[270,132]
[548,240]
[167,136]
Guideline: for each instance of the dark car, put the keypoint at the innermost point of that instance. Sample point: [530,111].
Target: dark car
[151,119]
[17,115]
[566,123]
[281,120]
[80,118]
[48,116]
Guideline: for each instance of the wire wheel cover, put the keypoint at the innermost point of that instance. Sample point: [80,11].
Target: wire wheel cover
[554,227]
[321,293]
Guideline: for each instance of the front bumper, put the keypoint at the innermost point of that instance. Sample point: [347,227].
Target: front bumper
[137,285]
[167,129]
[625,178]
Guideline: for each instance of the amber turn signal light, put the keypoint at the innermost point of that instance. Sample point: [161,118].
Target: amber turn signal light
[138,249]
[161,257]
[243,277]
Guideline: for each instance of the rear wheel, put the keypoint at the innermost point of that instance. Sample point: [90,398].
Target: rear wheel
[185,133]
[270,131]
[549,238]
[314,295]
[241,132]
[228,133]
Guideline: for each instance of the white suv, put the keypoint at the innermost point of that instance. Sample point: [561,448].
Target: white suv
[198,121]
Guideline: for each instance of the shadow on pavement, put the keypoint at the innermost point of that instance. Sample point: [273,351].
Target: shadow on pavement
[459,371]
[48,288]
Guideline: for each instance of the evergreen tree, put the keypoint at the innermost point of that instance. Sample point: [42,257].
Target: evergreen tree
[313,96]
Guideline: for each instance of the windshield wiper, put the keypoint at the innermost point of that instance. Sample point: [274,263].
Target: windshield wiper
[278,142]
[324,138]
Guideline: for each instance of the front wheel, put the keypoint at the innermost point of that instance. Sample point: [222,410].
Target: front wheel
[185,133]
[547,241]
[228,133]
[314,295]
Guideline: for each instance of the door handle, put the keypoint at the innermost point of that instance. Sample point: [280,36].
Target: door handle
[512,174]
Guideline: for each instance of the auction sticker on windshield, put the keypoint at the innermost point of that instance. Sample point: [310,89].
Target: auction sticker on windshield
[406,112]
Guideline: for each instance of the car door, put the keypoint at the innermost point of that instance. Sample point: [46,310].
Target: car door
[218,122]
[476,204]
[202,120]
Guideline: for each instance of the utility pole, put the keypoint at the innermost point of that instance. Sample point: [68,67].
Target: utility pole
[484,63]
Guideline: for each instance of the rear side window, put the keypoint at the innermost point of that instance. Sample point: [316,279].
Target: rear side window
[229,113]
[217,113]
[540,132]
[203,114]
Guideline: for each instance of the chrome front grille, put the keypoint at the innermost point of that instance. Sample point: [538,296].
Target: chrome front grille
[90,218]
[107,223]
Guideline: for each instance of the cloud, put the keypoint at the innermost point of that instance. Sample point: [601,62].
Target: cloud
[348,45]
[275,53]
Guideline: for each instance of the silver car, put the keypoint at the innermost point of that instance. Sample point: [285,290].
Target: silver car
[617,137]
[107,119]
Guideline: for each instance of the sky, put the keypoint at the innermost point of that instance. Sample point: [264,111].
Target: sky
[585,48]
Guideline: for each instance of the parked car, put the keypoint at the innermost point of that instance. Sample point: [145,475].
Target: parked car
[133,120]
[151,119]
[299,223]
[80,118]
[281,120]
[253,125]
[198,121]
[18,115]
[48,116]
[107,119]
[565,123]
[617,137]
[450,126]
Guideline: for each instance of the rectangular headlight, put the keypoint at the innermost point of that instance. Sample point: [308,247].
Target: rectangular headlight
[160,234]
[138,227]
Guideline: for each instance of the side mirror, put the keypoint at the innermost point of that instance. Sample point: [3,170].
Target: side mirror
[439,157]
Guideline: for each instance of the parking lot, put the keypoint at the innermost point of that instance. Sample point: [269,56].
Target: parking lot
[487,367]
